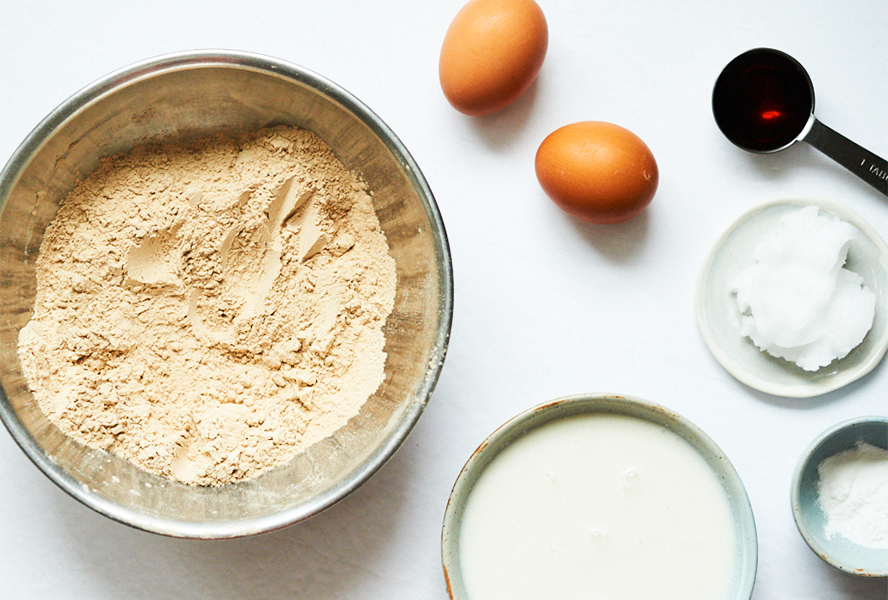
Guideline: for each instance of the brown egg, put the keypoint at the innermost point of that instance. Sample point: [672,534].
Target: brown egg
[597,171]
[491,54]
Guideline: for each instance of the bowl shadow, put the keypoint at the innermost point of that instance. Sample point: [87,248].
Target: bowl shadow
[323,557]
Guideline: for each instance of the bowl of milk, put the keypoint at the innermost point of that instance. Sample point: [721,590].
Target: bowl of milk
[599,496]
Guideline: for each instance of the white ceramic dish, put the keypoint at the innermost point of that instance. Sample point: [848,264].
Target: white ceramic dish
[603,404]
[718,315]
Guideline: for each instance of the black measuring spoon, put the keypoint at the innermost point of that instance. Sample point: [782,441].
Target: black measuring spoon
[763,102]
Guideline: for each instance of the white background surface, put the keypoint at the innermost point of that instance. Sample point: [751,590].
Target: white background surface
[545,306]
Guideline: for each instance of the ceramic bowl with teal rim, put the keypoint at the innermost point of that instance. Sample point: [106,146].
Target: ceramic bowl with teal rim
[838,551]
[598,517]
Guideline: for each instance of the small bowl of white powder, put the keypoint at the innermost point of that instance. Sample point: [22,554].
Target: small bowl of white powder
[227,294]
[840,496]
[793,298]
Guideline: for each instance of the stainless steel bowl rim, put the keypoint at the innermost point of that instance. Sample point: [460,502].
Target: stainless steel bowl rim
[196,59]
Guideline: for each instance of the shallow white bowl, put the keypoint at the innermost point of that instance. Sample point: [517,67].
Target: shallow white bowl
[718,315]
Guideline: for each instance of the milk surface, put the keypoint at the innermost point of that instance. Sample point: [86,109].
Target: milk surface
[598,507]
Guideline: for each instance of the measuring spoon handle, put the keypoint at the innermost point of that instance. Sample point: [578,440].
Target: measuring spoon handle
[860,161]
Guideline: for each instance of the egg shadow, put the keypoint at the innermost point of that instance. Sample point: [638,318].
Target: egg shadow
[618,242]
[499,130]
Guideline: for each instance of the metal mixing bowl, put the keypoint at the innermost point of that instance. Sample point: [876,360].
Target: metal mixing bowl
[191,95]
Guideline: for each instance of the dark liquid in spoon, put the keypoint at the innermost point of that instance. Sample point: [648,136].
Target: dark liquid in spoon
[763,100]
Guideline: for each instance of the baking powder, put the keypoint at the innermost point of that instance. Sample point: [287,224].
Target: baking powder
[853,494]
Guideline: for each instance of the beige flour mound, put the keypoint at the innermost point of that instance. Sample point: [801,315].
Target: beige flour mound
[207,310]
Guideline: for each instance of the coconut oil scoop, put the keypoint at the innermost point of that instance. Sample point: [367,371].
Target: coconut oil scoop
[763,102]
